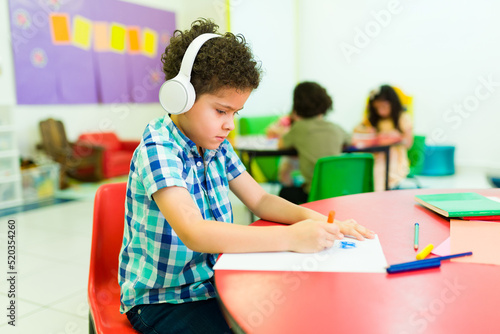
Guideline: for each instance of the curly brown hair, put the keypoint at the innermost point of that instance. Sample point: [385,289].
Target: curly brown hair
[310,99]
[220,63]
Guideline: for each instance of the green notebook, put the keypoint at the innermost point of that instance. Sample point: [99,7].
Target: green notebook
[460,204]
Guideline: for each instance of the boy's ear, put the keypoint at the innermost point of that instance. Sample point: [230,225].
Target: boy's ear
[177,95]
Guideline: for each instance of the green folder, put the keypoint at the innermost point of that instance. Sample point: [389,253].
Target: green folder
[460,204]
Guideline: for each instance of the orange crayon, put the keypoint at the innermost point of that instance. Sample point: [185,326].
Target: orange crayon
[331,216]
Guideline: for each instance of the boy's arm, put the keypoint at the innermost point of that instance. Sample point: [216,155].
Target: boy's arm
[267,206]
[274,208]
[210,236]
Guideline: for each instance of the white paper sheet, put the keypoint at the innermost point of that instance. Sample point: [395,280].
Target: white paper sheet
[496,199]
[367,256]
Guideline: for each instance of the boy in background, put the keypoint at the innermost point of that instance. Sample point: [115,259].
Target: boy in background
[311,135]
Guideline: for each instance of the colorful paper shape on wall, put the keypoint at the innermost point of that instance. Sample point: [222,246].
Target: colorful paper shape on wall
[101,37]
[82,32]
[103,51]
[118,34]
[59,24]
[150,42]
[133,39]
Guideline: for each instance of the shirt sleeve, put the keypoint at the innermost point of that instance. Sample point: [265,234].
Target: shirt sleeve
[288,138]
[234,166]
[159,165]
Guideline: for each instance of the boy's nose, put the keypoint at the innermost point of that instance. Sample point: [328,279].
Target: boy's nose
[228,125]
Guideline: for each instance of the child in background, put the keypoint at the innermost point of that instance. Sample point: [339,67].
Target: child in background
[177,212]
[390,124]
[311,135]
[288,169]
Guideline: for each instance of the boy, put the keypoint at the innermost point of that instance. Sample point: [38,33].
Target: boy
[177,210]
[311,135]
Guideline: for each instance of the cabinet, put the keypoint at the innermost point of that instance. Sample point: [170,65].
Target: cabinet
[10,172]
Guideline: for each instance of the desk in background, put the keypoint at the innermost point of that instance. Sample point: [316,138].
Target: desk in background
[455,298]
[259,146]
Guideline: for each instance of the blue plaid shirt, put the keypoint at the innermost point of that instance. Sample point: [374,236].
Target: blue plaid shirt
[155,266]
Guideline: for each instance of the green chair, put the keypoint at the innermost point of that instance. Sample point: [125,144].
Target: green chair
[416,155]
[257,126]
[341,175]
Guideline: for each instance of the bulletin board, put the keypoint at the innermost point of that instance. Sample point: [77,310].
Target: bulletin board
[88,51]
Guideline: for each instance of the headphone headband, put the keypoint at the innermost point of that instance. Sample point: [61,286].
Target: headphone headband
[192,51]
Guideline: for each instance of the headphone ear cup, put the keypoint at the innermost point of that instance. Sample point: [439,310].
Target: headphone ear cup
[177,95]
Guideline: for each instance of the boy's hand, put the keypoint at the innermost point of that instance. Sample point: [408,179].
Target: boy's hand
[310,236]
[352,228]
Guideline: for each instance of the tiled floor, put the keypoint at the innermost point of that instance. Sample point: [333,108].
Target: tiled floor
[53,248]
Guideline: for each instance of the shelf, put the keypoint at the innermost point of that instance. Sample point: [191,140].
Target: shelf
[10,171]
[9,154]
[7,128]
[12,178]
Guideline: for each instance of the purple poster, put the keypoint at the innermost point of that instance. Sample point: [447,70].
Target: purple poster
[88,51]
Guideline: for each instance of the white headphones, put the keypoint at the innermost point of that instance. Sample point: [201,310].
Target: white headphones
[177,95]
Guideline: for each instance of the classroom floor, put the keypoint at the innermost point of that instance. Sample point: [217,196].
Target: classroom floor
[53,250]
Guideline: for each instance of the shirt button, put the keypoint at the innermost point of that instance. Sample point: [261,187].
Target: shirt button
[198,163]
[139,311]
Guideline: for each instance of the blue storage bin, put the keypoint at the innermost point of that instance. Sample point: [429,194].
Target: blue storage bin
[495,181]
[439,160]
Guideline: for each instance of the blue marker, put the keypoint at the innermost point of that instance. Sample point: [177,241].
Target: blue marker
[422,264]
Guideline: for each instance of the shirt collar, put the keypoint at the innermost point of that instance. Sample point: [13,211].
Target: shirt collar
[187,144]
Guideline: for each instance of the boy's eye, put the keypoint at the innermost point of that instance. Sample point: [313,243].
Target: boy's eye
[223,112]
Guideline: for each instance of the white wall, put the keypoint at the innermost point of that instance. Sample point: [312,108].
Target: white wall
[269,27]
[441,52]
[127,120]
[7,93]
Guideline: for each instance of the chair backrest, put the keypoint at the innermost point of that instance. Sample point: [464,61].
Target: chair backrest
[341,175]
[107,237]
[257,126]
[109,140]
[54,139]
[416,155]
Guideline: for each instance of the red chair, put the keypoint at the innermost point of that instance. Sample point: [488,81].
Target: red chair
[107,236]
[116,154]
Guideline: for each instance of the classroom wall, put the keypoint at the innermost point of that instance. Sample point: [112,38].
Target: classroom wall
[7,94]
[127,120]
[270,29]
[444,53]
